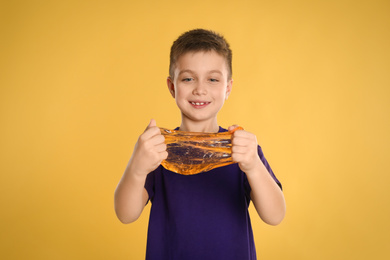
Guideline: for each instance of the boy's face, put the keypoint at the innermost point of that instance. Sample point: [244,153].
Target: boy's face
[200,86]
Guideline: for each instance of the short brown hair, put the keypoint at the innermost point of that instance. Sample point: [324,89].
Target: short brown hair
[200,40]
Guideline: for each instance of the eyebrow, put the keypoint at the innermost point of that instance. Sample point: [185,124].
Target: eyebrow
[192,72]
[184,71]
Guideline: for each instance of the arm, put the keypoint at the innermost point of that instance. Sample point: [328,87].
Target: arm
[130,195]
[266,195]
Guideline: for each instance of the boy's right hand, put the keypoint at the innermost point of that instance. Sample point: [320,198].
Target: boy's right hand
[149,151]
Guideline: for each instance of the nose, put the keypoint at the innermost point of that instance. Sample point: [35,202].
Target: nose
[199,89]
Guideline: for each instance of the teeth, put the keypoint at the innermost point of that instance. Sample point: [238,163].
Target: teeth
[198,103]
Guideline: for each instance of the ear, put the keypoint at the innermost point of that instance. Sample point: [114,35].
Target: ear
[171,86]
[228,88]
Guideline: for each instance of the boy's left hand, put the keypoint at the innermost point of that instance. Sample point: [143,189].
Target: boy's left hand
[244,150]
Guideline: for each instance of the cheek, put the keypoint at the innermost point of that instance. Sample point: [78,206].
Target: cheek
[184,90]
[220,93]
[181,93]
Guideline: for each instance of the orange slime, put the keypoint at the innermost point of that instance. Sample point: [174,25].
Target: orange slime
[191,153]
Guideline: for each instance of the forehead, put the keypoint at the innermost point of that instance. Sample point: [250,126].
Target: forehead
[201,61]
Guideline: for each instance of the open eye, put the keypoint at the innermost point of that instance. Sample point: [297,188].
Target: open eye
[214,80]
[187,79]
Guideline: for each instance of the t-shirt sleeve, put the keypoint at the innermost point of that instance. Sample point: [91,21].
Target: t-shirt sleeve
[149,184]
[266,164]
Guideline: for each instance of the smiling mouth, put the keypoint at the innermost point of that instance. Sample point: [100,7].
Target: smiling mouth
[199,103]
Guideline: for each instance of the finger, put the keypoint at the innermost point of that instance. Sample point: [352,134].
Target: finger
[242,133]
[150,133]
[236,157]
[151,130]
[160,148]
[230,128]
[157,139]
[243,137]
[234,128]
[239,149]
[151,124]
[164,155]
[241,141]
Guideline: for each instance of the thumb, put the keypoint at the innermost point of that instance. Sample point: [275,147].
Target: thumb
[151,124]
[234,128]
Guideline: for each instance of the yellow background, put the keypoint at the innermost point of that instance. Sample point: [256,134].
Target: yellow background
[80,81]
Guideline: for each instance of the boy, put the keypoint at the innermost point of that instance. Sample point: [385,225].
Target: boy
[202,216]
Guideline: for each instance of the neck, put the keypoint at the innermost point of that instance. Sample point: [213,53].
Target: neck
[204,127]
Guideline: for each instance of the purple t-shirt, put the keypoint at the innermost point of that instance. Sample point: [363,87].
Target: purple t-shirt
[203,216]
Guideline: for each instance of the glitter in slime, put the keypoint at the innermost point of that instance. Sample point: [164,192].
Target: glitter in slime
[191,153]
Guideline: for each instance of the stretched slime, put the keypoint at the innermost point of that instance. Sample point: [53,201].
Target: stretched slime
[190,153]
